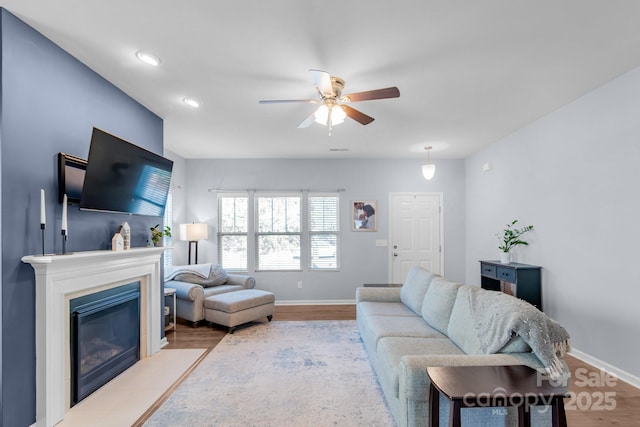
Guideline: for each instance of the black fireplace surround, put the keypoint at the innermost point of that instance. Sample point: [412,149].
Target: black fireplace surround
[105,337]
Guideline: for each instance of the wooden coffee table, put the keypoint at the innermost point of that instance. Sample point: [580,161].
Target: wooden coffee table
[489,386]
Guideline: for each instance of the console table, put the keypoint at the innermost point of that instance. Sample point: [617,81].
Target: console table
[519,280]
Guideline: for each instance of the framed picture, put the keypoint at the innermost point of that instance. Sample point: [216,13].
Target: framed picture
[364,216]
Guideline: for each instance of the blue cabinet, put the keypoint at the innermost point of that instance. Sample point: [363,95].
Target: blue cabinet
[520,280]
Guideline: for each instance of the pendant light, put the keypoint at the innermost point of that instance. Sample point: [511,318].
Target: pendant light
[428,169]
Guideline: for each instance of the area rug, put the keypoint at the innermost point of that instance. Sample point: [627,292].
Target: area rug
[312,373]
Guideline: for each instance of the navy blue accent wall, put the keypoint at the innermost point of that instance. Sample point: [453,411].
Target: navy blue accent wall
[49,103]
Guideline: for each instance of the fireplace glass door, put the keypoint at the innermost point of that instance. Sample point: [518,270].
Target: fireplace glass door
[105,339]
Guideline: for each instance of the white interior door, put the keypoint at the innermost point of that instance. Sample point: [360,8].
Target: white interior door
[416,233]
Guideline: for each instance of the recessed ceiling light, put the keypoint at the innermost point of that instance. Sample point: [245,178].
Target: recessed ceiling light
[148,58]
[191,102]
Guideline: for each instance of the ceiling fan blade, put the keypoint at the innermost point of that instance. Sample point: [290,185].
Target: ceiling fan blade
[389,92]
[308,121]
[357,115]
[322,80]
[285,101]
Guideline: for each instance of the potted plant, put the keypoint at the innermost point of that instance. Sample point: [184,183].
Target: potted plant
[509,238]
[157,234]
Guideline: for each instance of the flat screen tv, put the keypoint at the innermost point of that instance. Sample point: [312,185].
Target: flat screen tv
[122,177]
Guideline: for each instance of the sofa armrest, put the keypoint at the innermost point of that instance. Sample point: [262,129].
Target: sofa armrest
[414,382]
[185,290]
[378,294]
[247,282]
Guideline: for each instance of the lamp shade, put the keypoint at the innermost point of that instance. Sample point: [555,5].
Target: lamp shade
[428,170]
[194,232]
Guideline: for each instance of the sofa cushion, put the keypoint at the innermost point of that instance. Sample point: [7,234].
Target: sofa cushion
[374,308]
[438,303]
[378,327]
[392,349]
[217,290]
[415,287]
[233,302]
[462,329]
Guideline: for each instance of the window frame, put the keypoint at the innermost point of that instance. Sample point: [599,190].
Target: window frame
[305,234]
[311,233]
[258,233]
[247,234]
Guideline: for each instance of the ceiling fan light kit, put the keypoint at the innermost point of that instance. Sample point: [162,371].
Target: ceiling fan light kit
[428,169]
[329,115]
[333,110]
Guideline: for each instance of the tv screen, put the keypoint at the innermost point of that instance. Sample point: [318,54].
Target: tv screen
[122,177]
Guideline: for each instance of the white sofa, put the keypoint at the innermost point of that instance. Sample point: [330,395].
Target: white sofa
[431,321]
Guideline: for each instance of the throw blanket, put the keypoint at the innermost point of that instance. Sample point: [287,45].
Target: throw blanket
[202,274]
[202,270]
[500,317]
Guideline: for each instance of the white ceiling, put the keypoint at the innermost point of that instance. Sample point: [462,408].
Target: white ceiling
[469,71]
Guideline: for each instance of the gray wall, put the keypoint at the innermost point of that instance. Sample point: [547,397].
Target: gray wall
[50,102]
[574,175]
[361,261]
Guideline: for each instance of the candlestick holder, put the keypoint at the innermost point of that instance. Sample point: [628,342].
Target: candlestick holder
[64,241]
[42,232]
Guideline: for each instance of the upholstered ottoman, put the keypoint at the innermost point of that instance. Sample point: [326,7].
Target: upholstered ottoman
[236,308]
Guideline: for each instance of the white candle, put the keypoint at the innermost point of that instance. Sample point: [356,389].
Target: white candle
[64,213]
[43,219]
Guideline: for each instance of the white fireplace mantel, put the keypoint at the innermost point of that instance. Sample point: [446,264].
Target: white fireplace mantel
[60,278]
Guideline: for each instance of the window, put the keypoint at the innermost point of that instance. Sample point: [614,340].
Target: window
[233,214]
[323,232]
[283,232]
[278,232]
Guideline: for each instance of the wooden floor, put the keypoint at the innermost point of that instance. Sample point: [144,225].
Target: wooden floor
[596,399]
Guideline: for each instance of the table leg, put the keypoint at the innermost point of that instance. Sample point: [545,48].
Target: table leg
[434,406]
[524,415]
[175,312]
[454,416]
[558,415]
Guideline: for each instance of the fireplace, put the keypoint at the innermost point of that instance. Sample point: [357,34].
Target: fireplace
[105,337]
[62,278]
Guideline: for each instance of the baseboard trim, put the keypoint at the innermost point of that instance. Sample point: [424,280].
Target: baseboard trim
[316,302]
[619,373]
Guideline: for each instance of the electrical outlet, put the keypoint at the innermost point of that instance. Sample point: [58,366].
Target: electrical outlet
[299,285]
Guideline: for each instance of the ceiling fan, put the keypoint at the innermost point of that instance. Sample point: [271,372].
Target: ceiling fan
[333,109]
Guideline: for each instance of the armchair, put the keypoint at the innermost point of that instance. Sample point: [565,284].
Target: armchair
[194,283]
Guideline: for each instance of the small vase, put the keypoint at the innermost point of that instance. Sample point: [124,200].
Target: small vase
[505,257]
[157,243]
